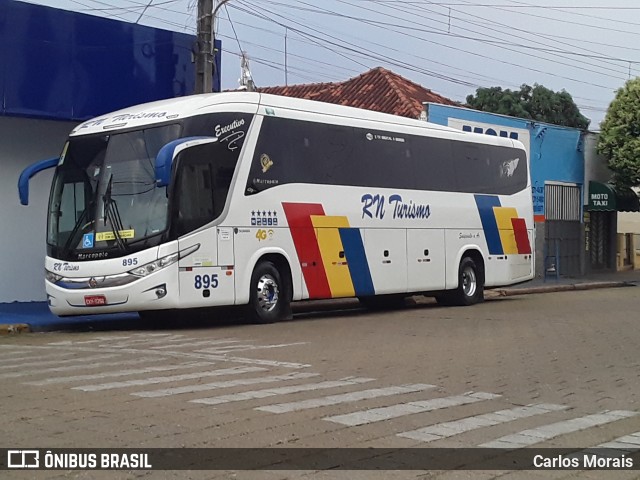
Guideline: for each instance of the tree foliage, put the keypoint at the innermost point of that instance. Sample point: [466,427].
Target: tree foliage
[535,103]
[619,138]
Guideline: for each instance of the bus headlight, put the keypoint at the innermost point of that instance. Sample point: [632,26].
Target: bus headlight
[51,277]
[144,270]
[163,262]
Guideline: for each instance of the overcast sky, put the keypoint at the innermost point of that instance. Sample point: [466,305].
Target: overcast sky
[587,47]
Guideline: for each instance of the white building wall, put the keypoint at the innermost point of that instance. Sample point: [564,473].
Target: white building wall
[24,141]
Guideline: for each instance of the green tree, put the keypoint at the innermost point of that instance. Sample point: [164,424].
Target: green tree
[535,103]
[619,138]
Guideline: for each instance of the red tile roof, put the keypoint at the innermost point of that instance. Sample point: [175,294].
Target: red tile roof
[378,89]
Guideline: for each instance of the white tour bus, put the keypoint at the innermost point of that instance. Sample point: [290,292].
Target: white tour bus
[250,199]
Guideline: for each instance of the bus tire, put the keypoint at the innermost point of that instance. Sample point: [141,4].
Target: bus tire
[470,285]
[268,301]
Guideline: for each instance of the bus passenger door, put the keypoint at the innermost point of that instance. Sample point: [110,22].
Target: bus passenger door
[426,259]
[386,251]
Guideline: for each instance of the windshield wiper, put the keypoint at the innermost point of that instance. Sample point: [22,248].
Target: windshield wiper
[112,214]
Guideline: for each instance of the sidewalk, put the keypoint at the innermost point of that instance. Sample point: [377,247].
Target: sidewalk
[587,282]
[21,317]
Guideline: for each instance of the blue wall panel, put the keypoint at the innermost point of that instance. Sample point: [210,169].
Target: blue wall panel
[65,65]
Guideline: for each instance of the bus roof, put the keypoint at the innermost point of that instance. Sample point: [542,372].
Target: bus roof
[183,107]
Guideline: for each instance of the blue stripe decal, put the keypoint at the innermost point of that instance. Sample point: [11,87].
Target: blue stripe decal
[485,205]
[357,261]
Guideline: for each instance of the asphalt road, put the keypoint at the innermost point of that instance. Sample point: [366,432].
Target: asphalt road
[549,370]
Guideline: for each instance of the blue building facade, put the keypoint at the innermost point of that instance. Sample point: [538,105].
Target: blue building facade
[65,65]
[557,178]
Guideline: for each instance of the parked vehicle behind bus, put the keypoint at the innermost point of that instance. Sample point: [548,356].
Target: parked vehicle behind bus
[250,199]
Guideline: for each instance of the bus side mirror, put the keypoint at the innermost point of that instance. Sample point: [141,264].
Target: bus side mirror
[168,153]
[30,171]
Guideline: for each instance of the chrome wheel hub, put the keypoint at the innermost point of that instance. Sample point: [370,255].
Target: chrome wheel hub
[469,283]
[267,293]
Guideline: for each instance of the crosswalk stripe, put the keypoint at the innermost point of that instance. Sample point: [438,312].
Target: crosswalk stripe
[225,384]
[171,378]
[9,354]
[82,366]
[450,429]
[384,413]
[621,445]
[239,348]
[254,361]
[344,398]
[627,442]
[32,356]
[547,432]
[271,392]
[102,338]
[120,373]
[198,343]
[144,341]
[46,363]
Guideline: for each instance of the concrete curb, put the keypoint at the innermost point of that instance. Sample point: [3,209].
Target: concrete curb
[508,292]
[14,328]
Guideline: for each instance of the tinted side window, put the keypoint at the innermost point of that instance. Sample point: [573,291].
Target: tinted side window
[384,159]
[194,190]
[483,168]
[294,151]
[432,165]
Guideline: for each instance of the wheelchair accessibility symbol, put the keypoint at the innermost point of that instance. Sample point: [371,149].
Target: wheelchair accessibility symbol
[87,240]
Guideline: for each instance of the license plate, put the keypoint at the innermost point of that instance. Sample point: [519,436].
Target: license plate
[95,300]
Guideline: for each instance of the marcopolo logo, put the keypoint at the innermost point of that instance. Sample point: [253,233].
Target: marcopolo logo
[23,458]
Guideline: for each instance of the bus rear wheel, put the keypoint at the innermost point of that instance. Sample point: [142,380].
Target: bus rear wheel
[268,300]
[470,286]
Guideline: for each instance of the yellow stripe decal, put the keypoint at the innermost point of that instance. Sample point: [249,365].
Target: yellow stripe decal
[505,228]
[330,245]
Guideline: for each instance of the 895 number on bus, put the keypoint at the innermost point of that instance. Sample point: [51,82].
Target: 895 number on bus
[205,281]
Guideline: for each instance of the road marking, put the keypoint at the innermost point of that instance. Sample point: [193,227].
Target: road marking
[239,348]
[8,354]
[15,348]
[271,392]
[629,442]
[197,343]
[102,338]
[171,378]
[46,363]
[138,342]
[120,373]
[226,384]
[457,427]
[344,398]
[547,432]
[254,361]
[30,356]
[70,368]
[384,413]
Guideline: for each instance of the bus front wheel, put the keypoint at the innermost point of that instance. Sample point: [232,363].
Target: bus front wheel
[470,286]
[269,301]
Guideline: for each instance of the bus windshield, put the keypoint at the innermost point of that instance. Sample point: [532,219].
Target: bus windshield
[104,201]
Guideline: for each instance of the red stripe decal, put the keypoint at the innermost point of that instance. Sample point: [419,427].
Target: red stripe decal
[520,231]
[304,239]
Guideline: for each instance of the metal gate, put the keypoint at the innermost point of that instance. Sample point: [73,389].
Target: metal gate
[599,240]
[563,228]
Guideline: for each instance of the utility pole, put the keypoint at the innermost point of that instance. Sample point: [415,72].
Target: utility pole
[204,57]
[246,80]
[206,45]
